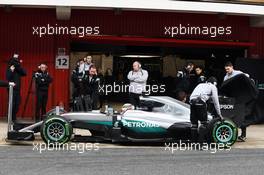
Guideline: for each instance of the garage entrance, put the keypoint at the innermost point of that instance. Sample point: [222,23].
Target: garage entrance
[162,62]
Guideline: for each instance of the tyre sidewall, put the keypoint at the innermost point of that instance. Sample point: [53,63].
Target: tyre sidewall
[229,124]
[66,125]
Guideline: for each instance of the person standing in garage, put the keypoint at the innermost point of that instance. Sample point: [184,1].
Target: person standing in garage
[200,95]
[230,73]
[14,73]
[87,62]
[43,80]
[92,84]
[199,75]
[138,79]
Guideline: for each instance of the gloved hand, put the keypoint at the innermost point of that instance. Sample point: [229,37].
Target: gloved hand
[221,117]
[12,84]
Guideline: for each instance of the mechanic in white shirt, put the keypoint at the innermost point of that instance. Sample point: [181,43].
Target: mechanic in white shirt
[230,72]
[200,95]
[138,79]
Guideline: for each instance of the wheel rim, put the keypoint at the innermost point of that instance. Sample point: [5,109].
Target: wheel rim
[224,133]
[56,131]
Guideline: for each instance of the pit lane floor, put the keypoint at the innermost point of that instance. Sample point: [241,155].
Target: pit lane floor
[86,158]
[23,160]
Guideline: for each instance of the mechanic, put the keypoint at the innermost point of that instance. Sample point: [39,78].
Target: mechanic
[199,75]
[185,80]
[230,72]
[43,80]
[200,95]
[79,78]
[14,73]
[87,62]
[138,79]
[93,86]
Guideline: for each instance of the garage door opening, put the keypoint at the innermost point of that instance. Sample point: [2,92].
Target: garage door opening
[162,63]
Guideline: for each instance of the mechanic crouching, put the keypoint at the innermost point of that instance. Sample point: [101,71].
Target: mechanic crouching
[200,95]
[43,80]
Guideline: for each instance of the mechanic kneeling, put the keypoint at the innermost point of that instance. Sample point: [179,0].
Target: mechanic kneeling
[200,95]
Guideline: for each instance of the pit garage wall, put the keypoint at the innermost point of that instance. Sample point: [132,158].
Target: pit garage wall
[16,35]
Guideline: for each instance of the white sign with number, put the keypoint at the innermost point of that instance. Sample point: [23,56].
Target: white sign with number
[62,62]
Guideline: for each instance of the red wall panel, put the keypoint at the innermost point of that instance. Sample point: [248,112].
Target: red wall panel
[151,24]
[16,35]
[257,35]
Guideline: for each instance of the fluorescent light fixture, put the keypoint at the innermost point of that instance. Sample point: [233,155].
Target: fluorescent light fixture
[139,56]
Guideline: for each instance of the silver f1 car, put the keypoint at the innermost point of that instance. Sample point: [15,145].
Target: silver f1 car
[158,119]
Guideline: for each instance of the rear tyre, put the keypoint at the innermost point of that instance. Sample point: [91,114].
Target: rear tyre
[223,132]
[56,129]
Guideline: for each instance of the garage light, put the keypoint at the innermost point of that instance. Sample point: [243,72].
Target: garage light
[139,56]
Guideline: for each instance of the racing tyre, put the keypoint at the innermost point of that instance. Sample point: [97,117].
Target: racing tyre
[224,132]
[56,129]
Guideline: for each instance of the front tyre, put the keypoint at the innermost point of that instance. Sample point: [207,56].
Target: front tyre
[56,129]
[224,132]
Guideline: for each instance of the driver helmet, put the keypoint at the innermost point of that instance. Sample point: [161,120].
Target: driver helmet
[127,106]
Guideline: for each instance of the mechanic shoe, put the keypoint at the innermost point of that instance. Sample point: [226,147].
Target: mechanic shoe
[241,139]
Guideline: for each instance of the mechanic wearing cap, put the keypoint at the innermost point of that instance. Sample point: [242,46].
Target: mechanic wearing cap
[138,79]
[200,95]
[230,73]
[14,73]
[43,80]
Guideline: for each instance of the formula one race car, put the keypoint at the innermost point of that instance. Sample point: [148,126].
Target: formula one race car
[158,119]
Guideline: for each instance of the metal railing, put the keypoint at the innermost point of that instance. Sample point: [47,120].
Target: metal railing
[10,109]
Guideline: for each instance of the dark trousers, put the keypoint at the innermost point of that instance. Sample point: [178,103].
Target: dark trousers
[42,99]
[16,103]
[95,100]
[198,112]
[134,99]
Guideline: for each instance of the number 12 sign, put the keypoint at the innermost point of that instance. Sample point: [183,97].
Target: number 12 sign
[62,62]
